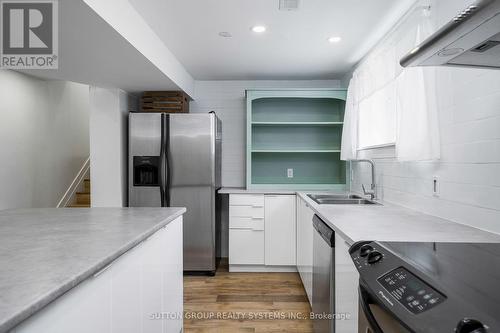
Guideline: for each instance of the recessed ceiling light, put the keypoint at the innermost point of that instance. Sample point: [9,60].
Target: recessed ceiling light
[334,39]
[225,34]
[259,29]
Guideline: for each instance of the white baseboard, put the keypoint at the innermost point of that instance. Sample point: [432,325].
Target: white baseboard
[261,269]
[70,192]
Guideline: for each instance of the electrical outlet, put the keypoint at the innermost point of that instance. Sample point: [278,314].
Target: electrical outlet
[436,186]
[289,173]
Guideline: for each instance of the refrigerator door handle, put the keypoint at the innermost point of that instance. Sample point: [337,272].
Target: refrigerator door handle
[168,168]
[162,162]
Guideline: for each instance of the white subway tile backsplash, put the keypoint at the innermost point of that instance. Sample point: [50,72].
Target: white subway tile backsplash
[474,152]
[478,217]
[480,196]
[474,85]
[471,131]
[476,105]
[469,192]
[479,174]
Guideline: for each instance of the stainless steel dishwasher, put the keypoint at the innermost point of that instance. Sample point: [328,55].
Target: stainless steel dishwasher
[323,295]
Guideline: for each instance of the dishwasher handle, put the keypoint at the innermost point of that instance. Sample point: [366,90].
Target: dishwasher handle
[324,230]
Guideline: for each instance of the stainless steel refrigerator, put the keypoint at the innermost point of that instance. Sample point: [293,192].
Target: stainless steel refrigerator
[175,161]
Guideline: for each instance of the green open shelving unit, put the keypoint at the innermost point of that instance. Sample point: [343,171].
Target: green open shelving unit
[299,130]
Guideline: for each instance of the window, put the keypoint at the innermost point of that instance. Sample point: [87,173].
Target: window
[377,118]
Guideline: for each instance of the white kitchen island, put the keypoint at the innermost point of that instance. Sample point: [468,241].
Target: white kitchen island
[91,270]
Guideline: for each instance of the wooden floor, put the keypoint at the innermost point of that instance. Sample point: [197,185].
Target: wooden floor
[246,303]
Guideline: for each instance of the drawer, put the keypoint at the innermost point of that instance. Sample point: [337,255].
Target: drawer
[246,200]
[246,211]
[246,247]
[240,222]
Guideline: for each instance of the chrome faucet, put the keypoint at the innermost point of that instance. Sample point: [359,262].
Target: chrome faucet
[372,192]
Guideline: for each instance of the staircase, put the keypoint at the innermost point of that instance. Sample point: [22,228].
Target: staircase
[82,198]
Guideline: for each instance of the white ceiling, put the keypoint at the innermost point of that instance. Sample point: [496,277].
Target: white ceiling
[294,47]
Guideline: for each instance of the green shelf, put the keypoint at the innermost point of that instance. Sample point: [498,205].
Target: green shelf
[298,110]
[307,137]
[295,151]
[309,168]
[296,123]
[299,130]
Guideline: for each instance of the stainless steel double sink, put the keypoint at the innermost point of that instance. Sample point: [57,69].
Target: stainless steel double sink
[340,199]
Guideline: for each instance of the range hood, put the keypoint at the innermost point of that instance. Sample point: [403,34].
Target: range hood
[471,39]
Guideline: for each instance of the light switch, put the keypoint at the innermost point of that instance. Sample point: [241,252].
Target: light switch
[289,173]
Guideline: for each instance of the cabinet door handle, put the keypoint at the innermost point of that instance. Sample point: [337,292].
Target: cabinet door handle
[246,229]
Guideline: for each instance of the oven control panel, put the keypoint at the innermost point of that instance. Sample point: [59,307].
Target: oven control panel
[409,290]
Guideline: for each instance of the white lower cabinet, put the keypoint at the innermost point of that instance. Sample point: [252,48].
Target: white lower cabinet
[173,278]
[246,247]
[280,230]
[246,229]
[346,288]
[305,245]
[86,308]
[129,296]
[126,291]
[262,232]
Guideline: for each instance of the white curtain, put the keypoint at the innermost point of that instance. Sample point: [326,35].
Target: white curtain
[377,118]
[388,104]
[418,124]
[349,148]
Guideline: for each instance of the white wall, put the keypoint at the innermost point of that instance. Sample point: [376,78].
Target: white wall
[44,138]
[227,99]
[469,170]
[108,147]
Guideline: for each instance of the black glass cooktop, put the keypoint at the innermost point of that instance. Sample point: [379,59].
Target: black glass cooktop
[432,287]
[466,271]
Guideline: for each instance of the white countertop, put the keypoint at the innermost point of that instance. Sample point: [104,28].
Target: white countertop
[390,222]
[385,222]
